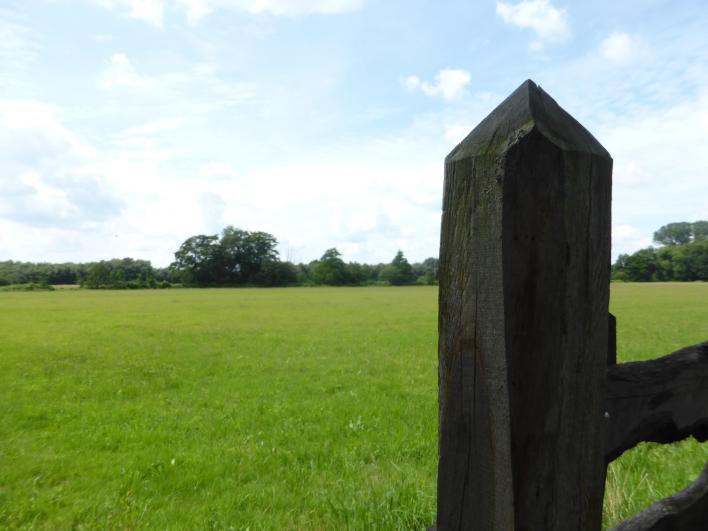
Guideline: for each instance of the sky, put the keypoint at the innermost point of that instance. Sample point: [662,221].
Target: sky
[127,126]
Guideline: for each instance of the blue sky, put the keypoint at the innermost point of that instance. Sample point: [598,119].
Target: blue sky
[127,126]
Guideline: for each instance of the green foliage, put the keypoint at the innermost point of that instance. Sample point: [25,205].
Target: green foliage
[687,262]
[358,274]
[684,256]
[700,231]
[276,273]
[125,273]
[674,234]
[116,273]
[99,276]
[330,270]
[245,253]
[12,272]
[236,257]
[399,272]
[427,272]
[682,233]
[199,260]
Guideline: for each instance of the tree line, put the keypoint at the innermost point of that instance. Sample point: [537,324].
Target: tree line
[234,257]
[116,273]
[682,256]
[239,257]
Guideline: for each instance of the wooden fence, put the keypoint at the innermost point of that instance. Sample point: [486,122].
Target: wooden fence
[532,405]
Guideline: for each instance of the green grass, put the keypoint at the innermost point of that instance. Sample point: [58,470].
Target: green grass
[262,409]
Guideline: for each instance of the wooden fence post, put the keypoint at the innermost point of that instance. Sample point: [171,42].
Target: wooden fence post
[523,322]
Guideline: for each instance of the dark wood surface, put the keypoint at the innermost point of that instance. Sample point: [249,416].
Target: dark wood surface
[684,511]
[612,341]
[523,346]
[662,400]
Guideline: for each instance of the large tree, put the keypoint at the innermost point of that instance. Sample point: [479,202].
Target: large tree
[674,234]
[237,257]
[245,253]
[199,260]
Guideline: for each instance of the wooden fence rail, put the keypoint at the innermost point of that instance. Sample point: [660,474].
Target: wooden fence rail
[532,406]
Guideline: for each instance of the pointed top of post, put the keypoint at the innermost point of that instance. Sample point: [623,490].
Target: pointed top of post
[528,107]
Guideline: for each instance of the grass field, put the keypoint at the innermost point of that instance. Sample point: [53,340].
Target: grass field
[263,409]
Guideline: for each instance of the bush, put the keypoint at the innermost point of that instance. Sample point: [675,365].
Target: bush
[32,286]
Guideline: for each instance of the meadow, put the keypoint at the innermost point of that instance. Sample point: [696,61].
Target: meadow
[297,408]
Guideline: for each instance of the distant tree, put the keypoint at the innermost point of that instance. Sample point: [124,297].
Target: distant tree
[427,271]
[674,234]
[618,268]
[199,260]
[276,273]
[641,266]
[99,276]
[119,274]
[165,274]
[244,253]
[686,262]
[330,269]
[700,231]
[399,272]
[697,259]
[357,274]
[303,273]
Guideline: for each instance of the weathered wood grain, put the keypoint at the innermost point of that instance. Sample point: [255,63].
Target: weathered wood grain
[612,341]
[523,345]
[684,511]
[662,400]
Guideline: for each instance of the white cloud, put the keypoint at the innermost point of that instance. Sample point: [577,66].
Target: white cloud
[549,23]
[632,173]
[18,50]
[660,169]
[196,90]
[28,124]
[368,211]
[199,8]
[413,83]
[154,127]
[103,38]
[46,171]
[79,202]
[627,237]
[621,48]
[449,83]
[457,132]
[212,206]
[217,170]
[153,11]
[121,73]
